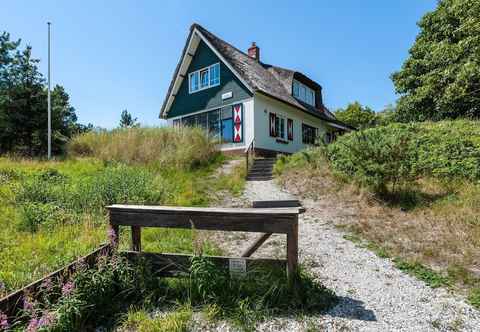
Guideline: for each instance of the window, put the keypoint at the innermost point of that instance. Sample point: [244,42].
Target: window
[309,134]
[279,129]
[204,78]
[304,93]
[218,123]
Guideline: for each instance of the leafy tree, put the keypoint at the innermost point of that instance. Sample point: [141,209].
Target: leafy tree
[441,77]
[386,116]
[23,104]
[127,120]
[356,115]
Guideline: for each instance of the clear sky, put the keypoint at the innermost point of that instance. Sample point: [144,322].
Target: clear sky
[115,55]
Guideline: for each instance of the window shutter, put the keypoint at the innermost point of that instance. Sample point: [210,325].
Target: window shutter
[272,125]
[290,129]
[237,123]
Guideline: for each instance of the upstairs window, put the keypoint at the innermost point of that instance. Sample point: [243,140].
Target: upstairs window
[304,93]
[204,78]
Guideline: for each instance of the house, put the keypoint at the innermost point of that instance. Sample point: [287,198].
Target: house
[239,99]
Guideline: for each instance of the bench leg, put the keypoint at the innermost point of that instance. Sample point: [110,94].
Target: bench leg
[292,250]
[136,238]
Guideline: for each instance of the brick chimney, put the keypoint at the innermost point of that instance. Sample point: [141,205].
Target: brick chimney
[254,52]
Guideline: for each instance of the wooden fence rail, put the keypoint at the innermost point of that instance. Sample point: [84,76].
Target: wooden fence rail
[263,220]
[13,302]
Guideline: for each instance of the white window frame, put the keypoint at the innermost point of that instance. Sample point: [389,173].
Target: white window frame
[278,133]
[209,80]
[297,89]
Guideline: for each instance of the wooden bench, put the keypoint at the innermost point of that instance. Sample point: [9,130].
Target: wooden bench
[263,220]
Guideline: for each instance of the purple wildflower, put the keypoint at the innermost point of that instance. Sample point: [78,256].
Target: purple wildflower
[47,319]
[112,236]
[3,322]
[68,288]
[28,305]
[33,325]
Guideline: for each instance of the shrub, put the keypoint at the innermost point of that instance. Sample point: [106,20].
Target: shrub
[384,157]
[34,215]
[379,158]
[162,147]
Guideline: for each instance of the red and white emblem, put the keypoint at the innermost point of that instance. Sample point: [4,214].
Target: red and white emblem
[237,123]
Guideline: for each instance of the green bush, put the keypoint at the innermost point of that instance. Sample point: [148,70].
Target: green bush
[380,158]
[34,215]
[385,157]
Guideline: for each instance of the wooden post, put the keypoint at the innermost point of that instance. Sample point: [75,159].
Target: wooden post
[136,238]
[292,250]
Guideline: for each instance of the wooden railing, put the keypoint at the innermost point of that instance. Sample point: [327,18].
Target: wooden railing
[261,220]
[249,155]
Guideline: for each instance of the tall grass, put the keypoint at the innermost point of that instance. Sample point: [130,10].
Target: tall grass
[184,147]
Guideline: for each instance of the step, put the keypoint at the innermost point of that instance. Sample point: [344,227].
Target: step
[259,179]
[260,173]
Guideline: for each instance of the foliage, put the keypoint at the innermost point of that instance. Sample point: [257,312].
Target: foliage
[356,115]
[23,100]
[96,295]
[441,77]
[384,157]
[379,158]
[165,147]
[53,212]
[127,120]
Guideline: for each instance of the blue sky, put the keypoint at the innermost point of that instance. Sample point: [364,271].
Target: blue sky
[115,55]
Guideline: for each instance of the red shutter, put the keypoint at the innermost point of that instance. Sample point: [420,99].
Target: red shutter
[237,115]
[290,129]
[272,125]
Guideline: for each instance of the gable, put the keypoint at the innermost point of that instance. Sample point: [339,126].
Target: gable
[186,102]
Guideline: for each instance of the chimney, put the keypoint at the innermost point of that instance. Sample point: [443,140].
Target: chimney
[254,52]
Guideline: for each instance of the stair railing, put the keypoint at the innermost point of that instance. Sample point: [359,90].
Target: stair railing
[249,154]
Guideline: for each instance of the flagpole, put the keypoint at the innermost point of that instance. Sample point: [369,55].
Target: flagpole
[49,102]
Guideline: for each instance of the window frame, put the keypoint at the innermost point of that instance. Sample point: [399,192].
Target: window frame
[303,93]
[211,81]
[305,137]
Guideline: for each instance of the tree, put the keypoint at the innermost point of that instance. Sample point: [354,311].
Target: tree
[23,104]
[127,120]
[441,77]
[356,115]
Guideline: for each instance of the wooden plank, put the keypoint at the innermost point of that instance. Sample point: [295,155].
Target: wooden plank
[12,303]
[178,265]
[279,204]
[261,240]
[246,220]
[292,250]
[136,238]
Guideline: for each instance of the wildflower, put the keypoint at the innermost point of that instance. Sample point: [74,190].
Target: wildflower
[112,236]
[28,305]
[47,319]
[33,325]
[68,288]
[3,322]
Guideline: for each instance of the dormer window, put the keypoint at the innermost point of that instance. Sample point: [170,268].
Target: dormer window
[303,93]
[204,78]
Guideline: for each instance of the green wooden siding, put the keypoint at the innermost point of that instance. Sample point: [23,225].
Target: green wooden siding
[186,103]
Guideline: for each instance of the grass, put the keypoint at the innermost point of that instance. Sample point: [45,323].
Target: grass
[431,228]
[175,321]
[53,212]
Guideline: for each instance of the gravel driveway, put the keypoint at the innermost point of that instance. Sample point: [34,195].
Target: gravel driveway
[374,295]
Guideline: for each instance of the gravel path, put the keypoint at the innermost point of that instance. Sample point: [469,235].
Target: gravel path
[374,295]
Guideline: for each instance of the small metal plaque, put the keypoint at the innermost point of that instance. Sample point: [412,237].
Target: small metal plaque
[227,95]
[237,267]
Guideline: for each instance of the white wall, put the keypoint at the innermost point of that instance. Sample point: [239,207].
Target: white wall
[263,105]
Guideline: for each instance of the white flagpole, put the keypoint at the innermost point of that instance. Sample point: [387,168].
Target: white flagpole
[49,102]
